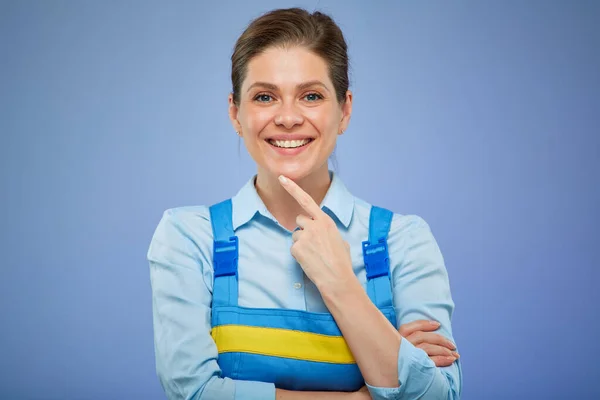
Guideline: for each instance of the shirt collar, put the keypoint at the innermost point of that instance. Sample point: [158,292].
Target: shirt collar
[338,202]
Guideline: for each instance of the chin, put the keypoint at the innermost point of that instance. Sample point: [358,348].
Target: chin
[291,171]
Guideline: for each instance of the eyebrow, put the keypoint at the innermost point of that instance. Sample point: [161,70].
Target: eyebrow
[300,86]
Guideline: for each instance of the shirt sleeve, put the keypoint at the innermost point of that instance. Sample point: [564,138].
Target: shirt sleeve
[186,355]
[421,290]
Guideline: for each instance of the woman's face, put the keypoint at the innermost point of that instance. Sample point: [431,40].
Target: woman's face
[288,114]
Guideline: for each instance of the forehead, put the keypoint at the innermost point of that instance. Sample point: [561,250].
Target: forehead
[287,67]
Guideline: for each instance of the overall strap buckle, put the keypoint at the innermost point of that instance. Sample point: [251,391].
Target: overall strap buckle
[225,257]
[376,258]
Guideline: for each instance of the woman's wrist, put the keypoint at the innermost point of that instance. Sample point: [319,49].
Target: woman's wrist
[362,394]
[340,291]
[281,394]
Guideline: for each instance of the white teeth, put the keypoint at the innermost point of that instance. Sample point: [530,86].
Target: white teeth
[289,144]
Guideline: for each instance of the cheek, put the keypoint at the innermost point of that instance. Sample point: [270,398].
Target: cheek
[256,119]
[325,120]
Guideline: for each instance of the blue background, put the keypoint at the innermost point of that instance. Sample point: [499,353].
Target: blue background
[482,117]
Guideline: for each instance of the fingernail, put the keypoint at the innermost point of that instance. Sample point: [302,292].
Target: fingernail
[282,179]
[451,358]
[434,323]
[452,345]
[455,354]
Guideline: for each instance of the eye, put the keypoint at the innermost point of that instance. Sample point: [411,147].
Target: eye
[263,98]
[312,97]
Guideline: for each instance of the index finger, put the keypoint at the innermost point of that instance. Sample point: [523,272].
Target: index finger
[419,325]
[303,198]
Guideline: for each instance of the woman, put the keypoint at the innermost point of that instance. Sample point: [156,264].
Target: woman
[269,295]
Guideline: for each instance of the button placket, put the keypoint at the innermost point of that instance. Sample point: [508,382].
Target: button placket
[297,296]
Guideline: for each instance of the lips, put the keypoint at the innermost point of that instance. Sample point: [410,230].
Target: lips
[289,143]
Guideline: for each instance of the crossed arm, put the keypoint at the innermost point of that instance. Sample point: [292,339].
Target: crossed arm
[420,333]
[384,357]
[186,356]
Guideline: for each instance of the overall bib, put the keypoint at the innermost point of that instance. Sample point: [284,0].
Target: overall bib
[294,349]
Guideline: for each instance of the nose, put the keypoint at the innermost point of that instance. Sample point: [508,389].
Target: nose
[288,115]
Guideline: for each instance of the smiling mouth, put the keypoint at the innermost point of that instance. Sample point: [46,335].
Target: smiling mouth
[289,144]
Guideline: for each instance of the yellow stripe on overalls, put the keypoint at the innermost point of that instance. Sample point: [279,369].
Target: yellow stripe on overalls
[282,343]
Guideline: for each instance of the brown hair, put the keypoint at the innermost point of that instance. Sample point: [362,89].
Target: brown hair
[293,26]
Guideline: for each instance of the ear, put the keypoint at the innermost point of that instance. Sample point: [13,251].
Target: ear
[346,113]
[233,115]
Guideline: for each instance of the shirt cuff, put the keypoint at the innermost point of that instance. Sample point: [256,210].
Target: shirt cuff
[253,390]
[416,372]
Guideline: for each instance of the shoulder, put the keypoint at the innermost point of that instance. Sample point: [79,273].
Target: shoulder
[187,227]
[410,239]
[414,252]
[402,226]
[187,219]
[408,226]
[413,249]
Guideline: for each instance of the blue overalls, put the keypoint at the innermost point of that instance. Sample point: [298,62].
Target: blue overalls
[294,349]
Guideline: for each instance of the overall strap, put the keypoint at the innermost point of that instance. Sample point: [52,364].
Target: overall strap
[225,255]
[377,259]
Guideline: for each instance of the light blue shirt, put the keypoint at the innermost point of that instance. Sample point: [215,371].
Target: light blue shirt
[269,277]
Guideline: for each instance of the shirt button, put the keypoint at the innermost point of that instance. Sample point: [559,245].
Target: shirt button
[297,285]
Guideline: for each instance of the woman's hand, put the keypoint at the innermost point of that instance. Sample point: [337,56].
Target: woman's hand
[420,334]
[318,246]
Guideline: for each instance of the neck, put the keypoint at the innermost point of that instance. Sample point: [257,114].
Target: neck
[278,201]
